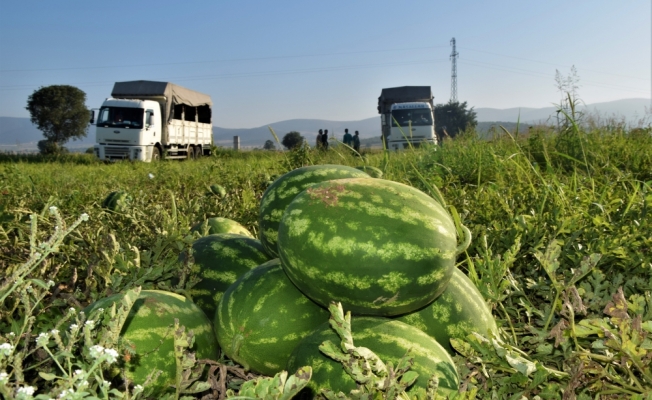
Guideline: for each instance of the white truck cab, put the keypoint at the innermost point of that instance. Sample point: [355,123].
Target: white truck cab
[412,124]
[148,121]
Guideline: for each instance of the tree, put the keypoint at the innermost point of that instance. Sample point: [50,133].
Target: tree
[292,140]
[269,145]
[453,117]
[59,112]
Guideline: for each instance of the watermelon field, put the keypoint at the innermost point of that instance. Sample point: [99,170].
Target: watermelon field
[560,258]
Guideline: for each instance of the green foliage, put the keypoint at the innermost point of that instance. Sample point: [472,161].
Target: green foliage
[453,118]
[279,387]
[292,140]
[376,380]
[269,145]
[48,148]
[59,111]
[536,226]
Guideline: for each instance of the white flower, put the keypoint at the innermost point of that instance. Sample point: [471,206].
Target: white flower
[4,378]
[54,331]
[79,372]
[106,383]
[74,327]
[11,334]
[150,175]
[96,351]
[84,217]
[25,392]
[53,209]
[138,389]
[111,355]
[72,310]
[6,349]
[43,339]
[90,323]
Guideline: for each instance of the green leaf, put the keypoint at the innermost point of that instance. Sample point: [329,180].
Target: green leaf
[47,376]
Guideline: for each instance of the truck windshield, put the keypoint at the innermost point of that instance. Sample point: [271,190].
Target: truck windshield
[418,116]
[120,117]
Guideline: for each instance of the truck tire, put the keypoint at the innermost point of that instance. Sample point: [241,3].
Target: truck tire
[156,154]
[198,152]
[190,153]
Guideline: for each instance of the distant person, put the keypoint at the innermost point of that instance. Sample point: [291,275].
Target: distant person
[320,139]
[347,139]
[356,142]
[324,139]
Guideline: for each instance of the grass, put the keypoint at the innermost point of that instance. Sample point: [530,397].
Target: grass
[561,249]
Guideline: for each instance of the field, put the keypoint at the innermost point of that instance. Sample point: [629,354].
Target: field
[561,251]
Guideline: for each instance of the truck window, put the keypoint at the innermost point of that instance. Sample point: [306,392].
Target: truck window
[418,116]
[121,117]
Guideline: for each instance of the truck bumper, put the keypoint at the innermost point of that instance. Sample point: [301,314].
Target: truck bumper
[117,153]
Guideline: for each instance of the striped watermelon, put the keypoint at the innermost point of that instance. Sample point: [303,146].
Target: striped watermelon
[220,225]
[149,328]
[218,190]
[390,340]
[262,317]
[459,310]
[116,200]
[279,195]
[378,247]
[219,260]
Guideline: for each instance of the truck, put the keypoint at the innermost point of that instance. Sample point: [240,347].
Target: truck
[149,121]
[407,116]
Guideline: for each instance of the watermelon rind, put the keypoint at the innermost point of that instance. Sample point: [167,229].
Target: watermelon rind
[281,192]
[373,172]
[390,340]
[220,225]
[115,201]
[262,317]
[378,247]
[150,328]
[219,260]
[456,313]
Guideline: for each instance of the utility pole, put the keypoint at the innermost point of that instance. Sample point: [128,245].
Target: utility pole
[454,55]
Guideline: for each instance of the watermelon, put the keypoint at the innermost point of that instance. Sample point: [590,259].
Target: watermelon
[149,327]
[221,225]
[280,193]
[373,172]
[378,247]
[116,200]
[262,317]
[218,190]
[219,260]
[390,340]
[457,312]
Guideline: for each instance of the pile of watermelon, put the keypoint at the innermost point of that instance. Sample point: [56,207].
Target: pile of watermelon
[331,233]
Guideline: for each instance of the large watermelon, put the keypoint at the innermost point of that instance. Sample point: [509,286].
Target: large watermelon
[219,260]
[149,327]
[116,201]
[390,340]
[458,311]
[279,195]
[378,247]
[262,317]
[220,225]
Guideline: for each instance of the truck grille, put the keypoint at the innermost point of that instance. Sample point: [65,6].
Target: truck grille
[115,152]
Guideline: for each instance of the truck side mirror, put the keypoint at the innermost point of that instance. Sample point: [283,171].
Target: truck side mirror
[92,121]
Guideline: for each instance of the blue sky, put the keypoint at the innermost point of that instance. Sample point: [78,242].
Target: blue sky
[267,61]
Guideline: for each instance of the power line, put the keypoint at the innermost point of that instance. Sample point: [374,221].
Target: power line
[259,73]
[220,61]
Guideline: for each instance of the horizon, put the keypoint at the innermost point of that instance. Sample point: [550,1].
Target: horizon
[293,60]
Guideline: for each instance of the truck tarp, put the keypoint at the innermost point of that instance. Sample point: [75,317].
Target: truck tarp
[403,94]
[174,94]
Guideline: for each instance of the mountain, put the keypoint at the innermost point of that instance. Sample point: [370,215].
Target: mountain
[20,134]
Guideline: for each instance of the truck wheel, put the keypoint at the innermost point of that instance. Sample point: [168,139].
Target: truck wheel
[190,153]
[156,154]
[198,152]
